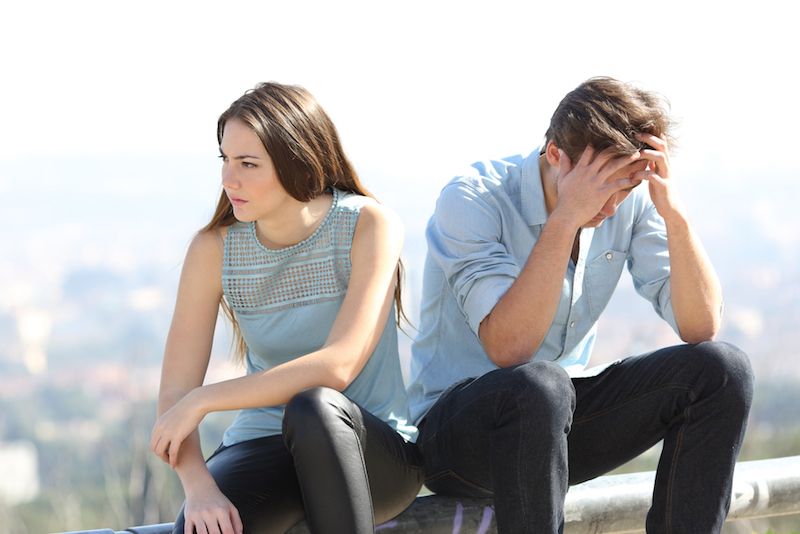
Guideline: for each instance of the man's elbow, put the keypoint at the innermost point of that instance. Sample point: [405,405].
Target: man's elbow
[505,354]
[700,333]
[504,350]
[697,338]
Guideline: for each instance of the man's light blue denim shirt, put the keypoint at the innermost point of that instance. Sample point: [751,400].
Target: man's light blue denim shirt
[479,238]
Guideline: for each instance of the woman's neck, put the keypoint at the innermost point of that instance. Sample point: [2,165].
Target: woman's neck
[294,222]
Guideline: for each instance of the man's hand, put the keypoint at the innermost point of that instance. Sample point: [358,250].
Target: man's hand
[694,287]
[662,192]
[585,188]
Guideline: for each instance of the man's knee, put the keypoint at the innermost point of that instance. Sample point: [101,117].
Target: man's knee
[729,360]
[543,389]
[731,366]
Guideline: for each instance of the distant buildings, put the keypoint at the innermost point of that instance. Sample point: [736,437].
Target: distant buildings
[19,465]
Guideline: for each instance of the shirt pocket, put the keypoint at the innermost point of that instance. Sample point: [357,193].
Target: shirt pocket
[602,275]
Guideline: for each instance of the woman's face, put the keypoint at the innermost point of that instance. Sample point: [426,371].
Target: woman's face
[248,175]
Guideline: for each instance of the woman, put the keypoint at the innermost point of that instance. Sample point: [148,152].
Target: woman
[306,265]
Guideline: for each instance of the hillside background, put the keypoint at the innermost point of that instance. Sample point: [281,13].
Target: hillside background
[108,166]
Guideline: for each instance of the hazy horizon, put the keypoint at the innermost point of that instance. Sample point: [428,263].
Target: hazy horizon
[108,166]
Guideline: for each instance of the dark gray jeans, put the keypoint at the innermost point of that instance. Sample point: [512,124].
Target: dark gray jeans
[521,435]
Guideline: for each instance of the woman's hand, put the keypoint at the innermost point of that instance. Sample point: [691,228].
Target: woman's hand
[174,426]
[208,511]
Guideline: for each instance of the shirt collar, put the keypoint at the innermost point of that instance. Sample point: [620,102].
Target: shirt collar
[534,210]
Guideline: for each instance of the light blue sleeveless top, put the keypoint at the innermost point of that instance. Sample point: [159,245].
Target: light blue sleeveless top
[286,301]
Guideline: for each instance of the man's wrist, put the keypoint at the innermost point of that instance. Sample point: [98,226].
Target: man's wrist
[562,222]
[675,220]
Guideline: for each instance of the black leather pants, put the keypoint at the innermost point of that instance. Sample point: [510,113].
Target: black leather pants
[336,465]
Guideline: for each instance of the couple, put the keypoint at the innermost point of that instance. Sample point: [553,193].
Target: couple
[523,255]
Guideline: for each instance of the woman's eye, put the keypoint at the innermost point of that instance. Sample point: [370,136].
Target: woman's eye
[248,165]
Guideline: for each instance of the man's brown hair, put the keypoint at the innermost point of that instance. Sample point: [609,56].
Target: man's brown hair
[607,113]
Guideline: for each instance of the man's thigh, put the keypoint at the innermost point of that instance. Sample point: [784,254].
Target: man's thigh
[454,440]
[511,406]
[628,408]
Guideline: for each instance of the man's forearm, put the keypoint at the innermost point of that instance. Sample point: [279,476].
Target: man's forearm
[517,325]
[695,289]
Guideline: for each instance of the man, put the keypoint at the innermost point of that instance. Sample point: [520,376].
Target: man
[523,255]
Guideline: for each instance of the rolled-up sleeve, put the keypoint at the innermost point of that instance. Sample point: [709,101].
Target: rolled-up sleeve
[464,239]
[648,262]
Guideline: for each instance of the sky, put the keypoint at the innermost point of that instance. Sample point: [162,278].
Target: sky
[109,108]
[408,83]
[417,89]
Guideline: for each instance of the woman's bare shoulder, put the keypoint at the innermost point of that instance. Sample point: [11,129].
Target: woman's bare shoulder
[207,245]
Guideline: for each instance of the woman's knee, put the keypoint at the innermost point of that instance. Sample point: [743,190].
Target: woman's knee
[313,411]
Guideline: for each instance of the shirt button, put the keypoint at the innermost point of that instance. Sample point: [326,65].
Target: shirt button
[572,324]
[609,256]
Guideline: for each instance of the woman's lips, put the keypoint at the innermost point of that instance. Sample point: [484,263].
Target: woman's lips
[237,201]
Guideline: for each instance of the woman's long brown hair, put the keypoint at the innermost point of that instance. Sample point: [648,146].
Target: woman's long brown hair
[305,149]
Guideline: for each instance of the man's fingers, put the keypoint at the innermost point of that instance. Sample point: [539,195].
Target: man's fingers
[600,160]
[658,143]
[656,178]
[651,175]
[659,159]
[564,163]
[642,175]
[622,184]
[587,156]
[618,163]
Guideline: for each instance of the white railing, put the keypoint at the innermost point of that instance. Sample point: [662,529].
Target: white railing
[612,503]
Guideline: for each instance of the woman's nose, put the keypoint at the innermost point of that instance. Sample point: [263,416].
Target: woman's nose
[228,178]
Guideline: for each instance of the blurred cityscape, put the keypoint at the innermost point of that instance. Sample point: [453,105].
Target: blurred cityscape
[88,274]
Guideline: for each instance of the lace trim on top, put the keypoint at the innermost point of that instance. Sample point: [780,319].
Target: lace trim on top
[258,280]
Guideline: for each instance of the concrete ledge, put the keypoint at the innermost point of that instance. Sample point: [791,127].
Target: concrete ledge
[164,528]
[615,503]
[619,503]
